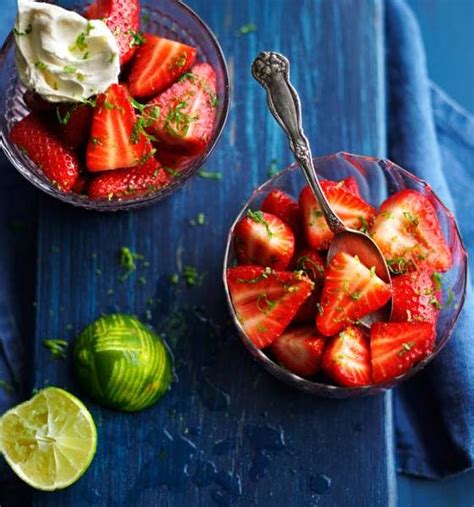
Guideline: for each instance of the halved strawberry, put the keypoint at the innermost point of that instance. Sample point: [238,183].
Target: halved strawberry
[281,205]
[158,64]
[346,359]
[116,141]
[313,265]
[123,19]
[350,184]
[408,232]
[187,112]
[416,297]
[58,162]
[265,301]
[350,208]
[351,291]
[263,239]
[300,350]
[125,184]
[74,123]
[397,346]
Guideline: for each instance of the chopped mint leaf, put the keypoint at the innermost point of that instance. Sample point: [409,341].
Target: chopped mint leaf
[209,175]
[273,168]
[174,279]
[177,121]
[69,69]
[57,348]
[127,260]
[27,31]
[247,28]
[41,65]
[192,277]
[63,120]
[171,171]
[137,38]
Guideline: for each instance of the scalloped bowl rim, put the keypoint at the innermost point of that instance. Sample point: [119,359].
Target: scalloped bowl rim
[320,388]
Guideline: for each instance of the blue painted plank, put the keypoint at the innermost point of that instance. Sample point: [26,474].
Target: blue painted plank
[227,433]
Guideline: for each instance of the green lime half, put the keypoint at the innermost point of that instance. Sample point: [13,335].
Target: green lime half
[122,364]
[50,440]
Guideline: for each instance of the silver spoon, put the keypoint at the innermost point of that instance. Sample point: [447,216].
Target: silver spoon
[272,71]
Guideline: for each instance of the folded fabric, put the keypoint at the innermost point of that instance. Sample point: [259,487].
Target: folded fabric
[433,138]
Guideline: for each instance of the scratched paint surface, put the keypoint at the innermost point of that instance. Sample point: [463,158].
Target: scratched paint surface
[227,433]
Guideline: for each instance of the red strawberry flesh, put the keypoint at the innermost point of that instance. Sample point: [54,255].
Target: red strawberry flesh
[300,350]
[263,239]
[266,301]
[397,346]
[351,291]
[346,359]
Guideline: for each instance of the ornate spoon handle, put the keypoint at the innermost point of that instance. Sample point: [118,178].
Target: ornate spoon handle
[272,71]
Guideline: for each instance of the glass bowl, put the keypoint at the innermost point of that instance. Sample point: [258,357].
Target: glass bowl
[377,180]
[167,18]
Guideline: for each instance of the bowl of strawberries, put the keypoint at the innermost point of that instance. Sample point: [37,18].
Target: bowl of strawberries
[302,318]
[138,139]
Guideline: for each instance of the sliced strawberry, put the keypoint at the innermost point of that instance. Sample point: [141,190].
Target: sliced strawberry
[346,359]
[158,64]
[129,183]
[351,291]
[80,185]
[36,103]
[350,208]
[408,232]
[186,113]
[58,162]
[300,350]
[123,19]
[74,124]
[263,239]
[397,346]
[284,207]
[173,163]
[350,184]
[416,297]
[313,265]
[116,140]
[265,301]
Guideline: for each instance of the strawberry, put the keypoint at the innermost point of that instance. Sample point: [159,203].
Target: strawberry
[123,19]
[351,291]
[350,208]
[129,183]
[312,264]
[173,163]
[397,346]
[284,207]
[416,296]
[265,301]
[117,139]
[263,239]
[36,103]
[80,185]
[300,350]
[350,184]
[59,163]
[408,232]
[187,111]
[346,359]
[74,124]
[158,64]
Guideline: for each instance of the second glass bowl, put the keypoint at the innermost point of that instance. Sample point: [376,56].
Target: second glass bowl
[377,180]
[166,18]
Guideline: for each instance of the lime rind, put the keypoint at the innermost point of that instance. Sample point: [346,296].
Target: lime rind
[122,364]
[38,449]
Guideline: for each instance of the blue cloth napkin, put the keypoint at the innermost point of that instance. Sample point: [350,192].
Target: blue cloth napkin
[429,135]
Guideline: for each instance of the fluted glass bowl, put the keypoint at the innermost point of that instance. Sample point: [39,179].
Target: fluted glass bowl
[166,18]
[377,179]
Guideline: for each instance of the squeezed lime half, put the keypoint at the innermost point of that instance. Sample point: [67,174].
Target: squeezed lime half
[50,440]
[121,363]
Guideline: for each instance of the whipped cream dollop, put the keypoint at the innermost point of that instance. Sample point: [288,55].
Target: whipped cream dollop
[61,55]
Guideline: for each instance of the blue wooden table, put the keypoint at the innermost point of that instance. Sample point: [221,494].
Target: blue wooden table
[227,433]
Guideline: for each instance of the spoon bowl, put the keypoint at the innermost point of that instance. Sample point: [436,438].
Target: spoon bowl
[272,71]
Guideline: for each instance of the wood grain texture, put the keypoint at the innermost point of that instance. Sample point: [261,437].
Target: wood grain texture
[227,433]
